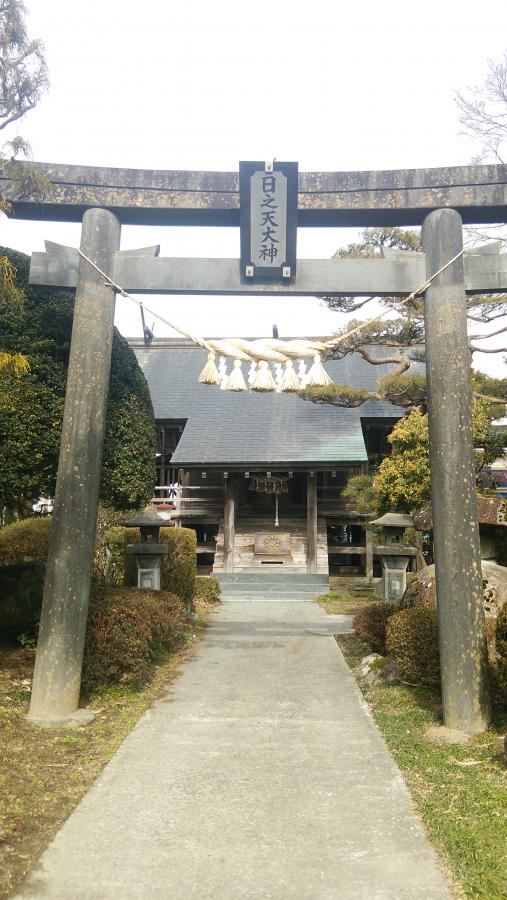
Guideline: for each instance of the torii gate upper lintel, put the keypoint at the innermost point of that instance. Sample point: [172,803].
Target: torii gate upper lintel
[439,199]
[325,199]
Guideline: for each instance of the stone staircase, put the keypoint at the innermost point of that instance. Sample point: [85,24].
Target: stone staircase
[266,587]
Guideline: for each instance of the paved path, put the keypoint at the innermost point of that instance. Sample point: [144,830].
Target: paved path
[259,775]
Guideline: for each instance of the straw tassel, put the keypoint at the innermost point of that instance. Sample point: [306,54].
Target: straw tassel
[317,376]
[222,372]
[290,380]
[264,380]
[209,374]
[236,380]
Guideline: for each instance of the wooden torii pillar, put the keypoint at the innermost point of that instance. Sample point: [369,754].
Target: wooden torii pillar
[58,664]
[462,633]
[436,198]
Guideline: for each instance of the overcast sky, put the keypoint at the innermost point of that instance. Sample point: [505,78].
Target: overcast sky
[200,85]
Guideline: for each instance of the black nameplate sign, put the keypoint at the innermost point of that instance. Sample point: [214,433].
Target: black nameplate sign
[268,218]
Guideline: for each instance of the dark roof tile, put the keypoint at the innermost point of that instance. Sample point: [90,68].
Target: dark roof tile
[236,428]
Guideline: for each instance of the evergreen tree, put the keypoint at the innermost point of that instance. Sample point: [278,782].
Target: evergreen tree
[31,407]
[23,71]
[23,80]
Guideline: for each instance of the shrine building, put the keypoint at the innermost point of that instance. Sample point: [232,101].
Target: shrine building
[260,476]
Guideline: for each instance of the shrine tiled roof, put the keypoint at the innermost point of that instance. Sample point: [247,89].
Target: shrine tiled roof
[227,428]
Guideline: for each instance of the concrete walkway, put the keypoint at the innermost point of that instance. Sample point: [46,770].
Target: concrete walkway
[259,775]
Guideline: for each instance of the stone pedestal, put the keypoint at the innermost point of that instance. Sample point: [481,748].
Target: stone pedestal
[394,573]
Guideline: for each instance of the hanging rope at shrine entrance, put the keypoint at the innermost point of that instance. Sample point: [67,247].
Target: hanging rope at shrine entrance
[261,352]
[275,485]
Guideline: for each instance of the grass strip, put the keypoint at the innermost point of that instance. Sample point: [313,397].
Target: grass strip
[460,791]
[343,603]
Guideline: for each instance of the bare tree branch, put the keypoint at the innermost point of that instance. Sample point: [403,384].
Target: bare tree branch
[475,349]
[483,112]
[399,359]
[485,337]
[478,396]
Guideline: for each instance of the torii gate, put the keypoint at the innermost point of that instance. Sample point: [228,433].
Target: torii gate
[438,199]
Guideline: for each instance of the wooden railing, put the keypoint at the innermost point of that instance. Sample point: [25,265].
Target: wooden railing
[194,500]
[184,506]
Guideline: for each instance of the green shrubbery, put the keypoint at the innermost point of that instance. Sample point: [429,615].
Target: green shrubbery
[370,624]
[20,600]
[412,640]
[109,519]
[499,666]
[410,637]
[23,554]
[25,541]
[179,567]
[32,406]
[125,627]
[207,588]
[110,559]
[501,633]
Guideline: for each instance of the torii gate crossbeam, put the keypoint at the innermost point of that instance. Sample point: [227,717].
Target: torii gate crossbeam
[325,199]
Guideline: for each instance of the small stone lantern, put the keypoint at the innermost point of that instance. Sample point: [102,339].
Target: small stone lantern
[394,555]
[148,553]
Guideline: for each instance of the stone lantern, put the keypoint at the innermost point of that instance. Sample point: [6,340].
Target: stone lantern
[394,554]
[149,552]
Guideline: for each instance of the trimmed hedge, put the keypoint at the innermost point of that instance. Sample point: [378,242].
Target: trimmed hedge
[24,545]
[410,636]
[25,541]
[501,633]
[370,624]
[207,588]
[125,627]
[110,559]
[23,554]
[179,567]
[21,590]
[108,519]
[412,639]
[499,664]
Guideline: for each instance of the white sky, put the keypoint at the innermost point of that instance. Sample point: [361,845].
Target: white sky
[200,85]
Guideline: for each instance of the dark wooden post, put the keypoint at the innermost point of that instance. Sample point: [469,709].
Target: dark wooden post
[463,652]
[229,520]
[57,676]
[369,556]
[311,523]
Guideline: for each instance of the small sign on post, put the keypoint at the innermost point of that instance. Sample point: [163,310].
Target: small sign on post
[268,218]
